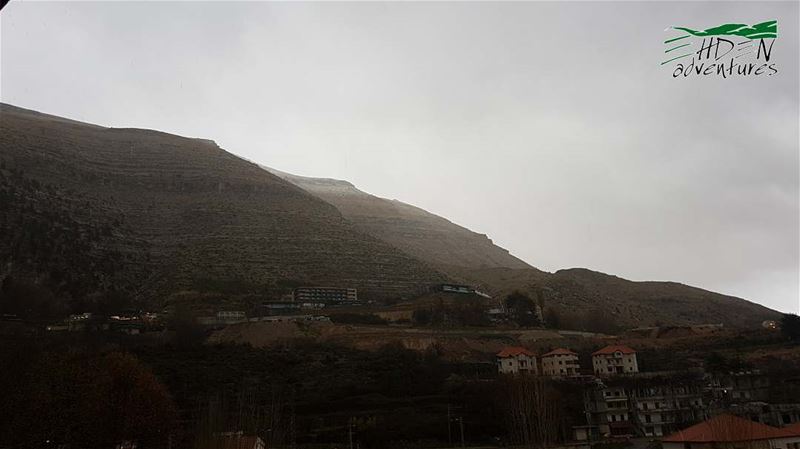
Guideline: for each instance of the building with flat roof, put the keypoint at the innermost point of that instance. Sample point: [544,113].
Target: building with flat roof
[325,295]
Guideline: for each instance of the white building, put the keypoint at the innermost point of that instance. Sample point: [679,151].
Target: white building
[613,360]
[515,359]
[560,362]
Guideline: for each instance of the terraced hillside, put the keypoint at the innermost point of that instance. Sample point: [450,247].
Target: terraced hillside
[416,231]
[206,219]
[576,298]
[89,212]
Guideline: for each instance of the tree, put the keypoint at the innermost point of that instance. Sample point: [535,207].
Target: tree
[87,399]
[533,408]
[522,309]
[790,326]
[552,318]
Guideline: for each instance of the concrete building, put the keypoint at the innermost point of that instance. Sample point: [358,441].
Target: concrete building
[231,317]
[732,432]
[641,406]
[660,409]
[776,415]
[515,359]
[325,295]
[560,362]
[607,411]
[614,360]
[740,387]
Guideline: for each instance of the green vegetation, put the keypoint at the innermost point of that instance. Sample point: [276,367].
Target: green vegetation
[522,310]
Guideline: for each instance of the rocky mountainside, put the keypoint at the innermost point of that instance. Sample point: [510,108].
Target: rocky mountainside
[160,214]
[416,231]
[576,297]
[91,214]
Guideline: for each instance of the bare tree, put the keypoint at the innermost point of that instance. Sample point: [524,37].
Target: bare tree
[534,414]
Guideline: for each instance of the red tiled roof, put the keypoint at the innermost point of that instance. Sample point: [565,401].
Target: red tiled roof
[727,429]
[614,348]
[511,351]
[793,430]
[559,351]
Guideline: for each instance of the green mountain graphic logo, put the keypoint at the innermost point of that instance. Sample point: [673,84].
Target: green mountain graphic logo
[763,30]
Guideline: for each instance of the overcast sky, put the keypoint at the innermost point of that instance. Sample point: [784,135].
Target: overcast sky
[551,127]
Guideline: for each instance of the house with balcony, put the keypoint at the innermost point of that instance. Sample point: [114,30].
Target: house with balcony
[516,359]
[560,362]
[614,360]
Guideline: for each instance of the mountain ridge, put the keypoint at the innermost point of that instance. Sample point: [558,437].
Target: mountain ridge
[207,214]
[89,210]
[566,291]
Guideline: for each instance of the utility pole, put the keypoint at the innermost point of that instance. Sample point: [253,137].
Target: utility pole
[292,433]
[461,424]
[449,431]
[350,432]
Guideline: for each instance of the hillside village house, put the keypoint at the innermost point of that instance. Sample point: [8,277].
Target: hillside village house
[732,432]
[560,362]
[515,359]
[615,359]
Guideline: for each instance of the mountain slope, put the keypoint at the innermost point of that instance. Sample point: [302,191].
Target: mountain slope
[578,297]
[649,303]
[418,232]
[89,212]
[202,217]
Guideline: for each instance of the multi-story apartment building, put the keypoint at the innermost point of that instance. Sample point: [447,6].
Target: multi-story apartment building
[660,408]
[560,362]
[325,295]
[648,407]
[739,387]
[607,412]
[614,360]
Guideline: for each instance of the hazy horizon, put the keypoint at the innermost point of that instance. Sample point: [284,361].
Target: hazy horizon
[569,149]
